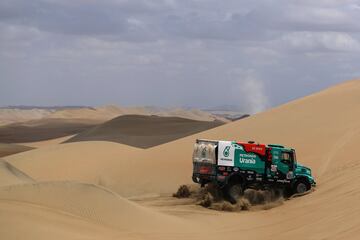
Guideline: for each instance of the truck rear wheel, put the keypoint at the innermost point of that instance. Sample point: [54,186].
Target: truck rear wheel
[234,192]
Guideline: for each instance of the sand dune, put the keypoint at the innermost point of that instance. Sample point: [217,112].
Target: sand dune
[33,125]
[143,131]
[82,200]
[9,175]
[46,143]
[9,149]
[25,221]
[8,116]
[95,115]
[41,130]
[105,113]
[323,128]
[193,114]
[87,205]
[82,161]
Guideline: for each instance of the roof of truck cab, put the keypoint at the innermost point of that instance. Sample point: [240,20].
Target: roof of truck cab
[206,140]
[280,147]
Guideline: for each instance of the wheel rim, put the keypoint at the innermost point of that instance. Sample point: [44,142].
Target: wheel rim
[301,188]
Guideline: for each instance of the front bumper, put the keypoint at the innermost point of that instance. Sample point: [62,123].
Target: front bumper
[313,183]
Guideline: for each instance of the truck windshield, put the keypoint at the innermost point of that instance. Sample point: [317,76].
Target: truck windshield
[294,156]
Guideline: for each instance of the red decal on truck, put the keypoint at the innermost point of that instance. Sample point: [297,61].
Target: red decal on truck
[254,148]
[205,169]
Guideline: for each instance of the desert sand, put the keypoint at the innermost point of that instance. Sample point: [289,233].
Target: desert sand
[85,190]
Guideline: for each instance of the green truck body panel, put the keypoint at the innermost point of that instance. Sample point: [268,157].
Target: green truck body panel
[247,160]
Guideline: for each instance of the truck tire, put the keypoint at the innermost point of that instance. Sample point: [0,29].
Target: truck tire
[301,187]
[234,192]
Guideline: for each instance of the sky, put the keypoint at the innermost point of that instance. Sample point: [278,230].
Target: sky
[253,54]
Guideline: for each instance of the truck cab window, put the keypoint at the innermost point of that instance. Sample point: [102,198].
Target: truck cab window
[286,157]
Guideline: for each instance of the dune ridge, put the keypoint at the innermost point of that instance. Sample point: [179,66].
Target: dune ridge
[41,130]
[143,131]
[9,149]
[9,175]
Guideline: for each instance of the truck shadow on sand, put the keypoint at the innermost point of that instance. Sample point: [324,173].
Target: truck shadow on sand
[212,197]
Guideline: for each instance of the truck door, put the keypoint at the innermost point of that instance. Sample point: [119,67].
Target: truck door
[286,163]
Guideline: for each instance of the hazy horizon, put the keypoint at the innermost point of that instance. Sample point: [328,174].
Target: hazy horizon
[210,108]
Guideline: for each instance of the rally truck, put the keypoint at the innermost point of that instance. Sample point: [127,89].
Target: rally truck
[235,166]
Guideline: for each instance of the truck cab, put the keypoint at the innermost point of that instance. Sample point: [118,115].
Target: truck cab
[284,165]
[235,166]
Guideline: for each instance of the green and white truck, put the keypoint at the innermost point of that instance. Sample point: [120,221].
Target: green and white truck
[235,166]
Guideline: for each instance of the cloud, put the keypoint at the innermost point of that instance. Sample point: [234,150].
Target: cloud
[174,52]
[312,41]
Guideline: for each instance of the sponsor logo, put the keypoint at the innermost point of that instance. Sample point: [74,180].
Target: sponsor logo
[226,151]
[290,175]
[273,168]
[283,181]
[255,148]
[248,161]
[247,158]
[226,159]
[203,153]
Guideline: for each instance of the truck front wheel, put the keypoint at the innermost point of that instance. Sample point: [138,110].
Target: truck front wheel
[234,192]
[301,187]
